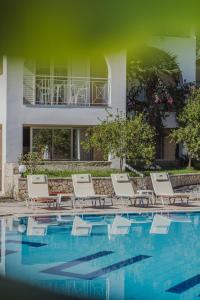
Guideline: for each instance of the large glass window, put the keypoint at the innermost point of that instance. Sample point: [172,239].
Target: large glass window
[51,80]
[61,144]
[55,143]
[53,68]
[26,140]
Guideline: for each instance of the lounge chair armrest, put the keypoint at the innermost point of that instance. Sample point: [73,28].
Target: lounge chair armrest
[44,199]
[112,195]
[147,192]
[184,195]
[55,193]
[101,196]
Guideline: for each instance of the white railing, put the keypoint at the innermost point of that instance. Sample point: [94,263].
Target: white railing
[133,170]
[70,91]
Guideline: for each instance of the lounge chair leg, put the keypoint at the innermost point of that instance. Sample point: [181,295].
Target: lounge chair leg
[73,202]
[111,201]
[27,202]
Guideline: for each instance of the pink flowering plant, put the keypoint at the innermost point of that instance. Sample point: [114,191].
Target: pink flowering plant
[155,86]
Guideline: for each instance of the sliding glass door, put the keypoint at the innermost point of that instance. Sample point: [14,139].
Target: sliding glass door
[55,143]
[61,144]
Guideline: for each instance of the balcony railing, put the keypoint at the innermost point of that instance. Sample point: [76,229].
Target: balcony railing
[66,91]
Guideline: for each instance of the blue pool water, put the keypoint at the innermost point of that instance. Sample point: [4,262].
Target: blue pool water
[139,265]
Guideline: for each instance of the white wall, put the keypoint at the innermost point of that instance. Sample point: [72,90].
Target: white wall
[184,48]
[3,93]
[19,114]
[3,114]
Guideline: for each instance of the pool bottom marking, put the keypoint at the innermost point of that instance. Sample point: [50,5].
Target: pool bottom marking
[7,252]
[31,244]
[185,285]
[58,270]
[74,262]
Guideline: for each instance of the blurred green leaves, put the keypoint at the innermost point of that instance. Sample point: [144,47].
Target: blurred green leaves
[61,28]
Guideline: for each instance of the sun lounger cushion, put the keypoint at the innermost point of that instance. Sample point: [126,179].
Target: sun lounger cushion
[83,178]
[122,188]
[37,186]
[121,177]
[161,176]
[36,179]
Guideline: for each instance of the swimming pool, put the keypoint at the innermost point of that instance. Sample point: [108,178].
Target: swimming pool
[137,265]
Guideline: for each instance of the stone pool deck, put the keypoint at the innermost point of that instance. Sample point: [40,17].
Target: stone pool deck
[10,207]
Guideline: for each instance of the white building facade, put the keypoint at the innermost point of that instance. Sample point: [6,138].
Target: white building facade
[56,100]
[53,100]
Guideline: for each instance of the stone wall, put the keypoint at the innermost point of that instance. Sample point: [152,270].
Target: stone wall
[11,177]
[75,165]
[12,185]
[103,185]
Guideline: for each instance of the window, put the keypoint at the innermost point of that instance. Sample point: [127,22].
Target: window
[26,140]
[51,68]
[56,143]
[51,80]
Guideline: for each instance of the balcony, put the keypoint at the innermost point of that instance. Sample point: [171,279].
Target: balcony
[40,90]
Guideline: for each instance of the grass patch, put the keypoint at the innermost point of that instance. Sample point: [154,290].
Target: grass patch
[173,171]
[108,172]
[68,173]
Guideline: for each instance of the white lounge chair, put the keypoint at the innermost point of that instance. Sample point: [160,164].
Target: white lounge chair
[35,228]
[163,189]
[38,192]
[124,190]
[120,226]
[160,225]
[84,189]
[81,227]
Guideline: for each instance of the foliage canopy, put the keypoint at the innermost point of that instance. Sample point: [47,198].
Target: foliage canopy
[188,132]
[123,138]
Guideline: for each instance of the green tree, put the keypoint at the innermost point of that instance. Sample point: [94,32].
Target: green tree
[31,160]
[188,132]
[153,78]
[156,75]
[123,138]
